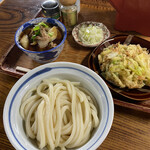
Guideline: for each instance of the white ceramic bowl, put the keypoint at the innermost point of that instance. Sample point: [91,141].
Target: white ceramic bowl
[89,79]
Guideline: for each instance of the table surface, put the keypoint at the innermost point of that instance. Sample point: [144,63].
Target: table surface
[130,129]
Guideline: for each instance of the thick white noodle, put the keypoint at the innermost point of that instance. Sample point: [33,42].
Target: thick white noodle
[59,113]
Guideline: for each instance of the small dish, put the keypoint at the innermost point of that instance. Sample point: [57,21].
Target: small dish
[75,33]
[134,94]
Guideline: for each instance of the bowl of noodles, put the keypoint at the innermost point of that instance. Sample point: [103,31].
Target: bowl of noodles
[58,105]
[42,39]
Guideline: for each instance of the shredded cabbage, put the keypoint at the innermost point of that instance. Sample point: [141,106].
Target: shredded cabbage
[90,34]
[125,65]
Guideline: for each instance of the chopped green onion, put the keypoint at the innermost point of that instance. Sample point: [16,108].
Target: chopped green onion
[51,34]
[36,28]
[35,35]
[90,34]
[43,24]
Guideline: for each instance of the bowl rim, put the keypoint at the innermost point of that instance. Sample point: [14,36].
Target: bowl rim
[49,8]
[36,52]
[89,22]
[46,67]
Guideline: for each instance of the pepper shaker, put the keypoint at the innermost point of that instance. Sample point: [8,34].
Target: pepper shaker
[69,13]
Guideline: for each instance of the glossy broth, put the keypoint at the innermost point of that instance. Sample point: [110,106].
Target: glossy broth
[36,47]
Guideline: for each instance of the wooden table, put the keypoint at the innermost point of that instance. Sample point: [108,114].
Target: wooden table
[130,129]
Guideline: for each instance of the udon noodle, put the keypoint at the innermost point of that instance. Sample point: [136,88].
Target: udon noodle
[59,113]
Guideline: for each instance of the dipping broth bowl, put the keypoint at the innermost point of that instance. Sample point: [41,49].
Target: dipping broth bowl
[46,55]
[14,125]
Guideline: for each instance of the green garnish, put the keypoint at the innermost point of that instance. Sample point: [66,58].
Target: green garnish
[43,24]
[35,35]
[51,34]
[37,29]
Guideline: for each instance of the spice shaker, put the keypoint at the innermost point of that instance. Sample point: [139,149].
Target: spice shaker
[69,13]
